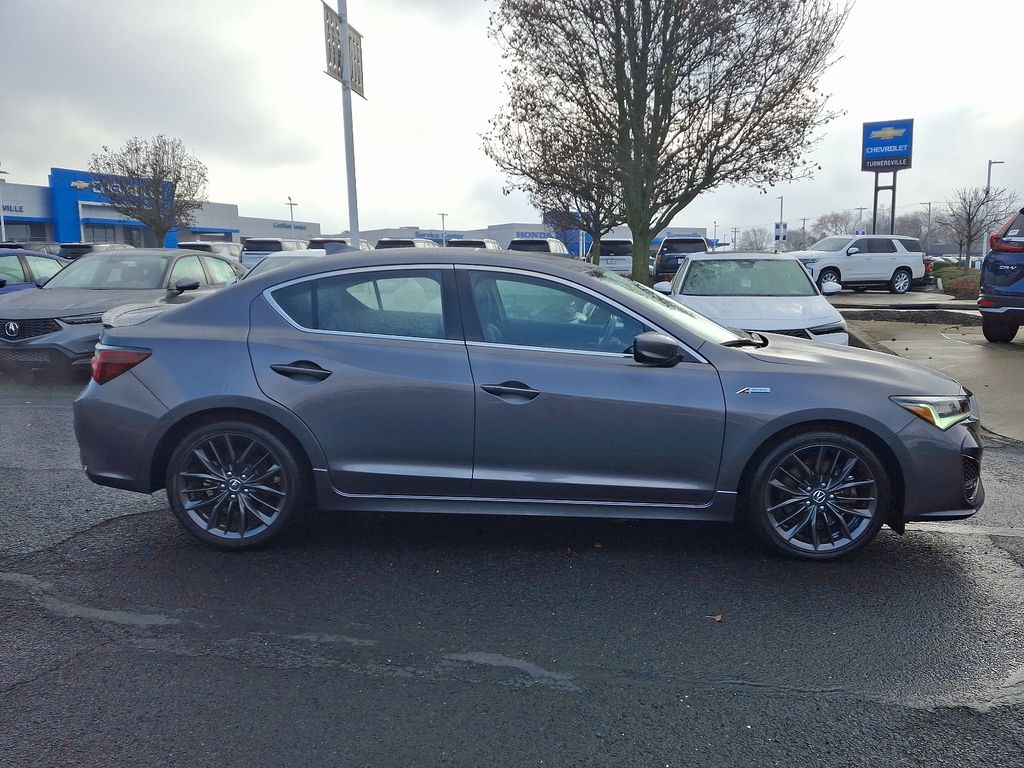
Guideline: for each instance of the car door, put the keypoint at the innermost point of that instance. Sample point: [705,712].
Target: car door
[884,259]
[40,268]
[858,266]
[563,412]
[373,361]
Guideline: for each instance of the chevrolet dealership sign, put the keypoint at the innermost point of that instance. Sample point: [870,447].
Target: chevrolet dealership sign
[887,146]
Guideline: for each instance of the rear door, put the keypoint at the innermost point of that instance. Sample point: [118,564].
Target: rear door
[883,260]
[562,410]
[374,363]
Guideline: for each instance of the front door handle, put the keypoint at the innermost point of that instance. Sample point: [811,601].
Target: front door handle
[301,368]
[512,391]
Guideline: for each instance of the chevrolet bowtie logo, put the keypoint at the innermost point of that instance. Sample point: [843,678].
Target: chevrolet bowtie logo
[80,185]
[11,329]
[887,133]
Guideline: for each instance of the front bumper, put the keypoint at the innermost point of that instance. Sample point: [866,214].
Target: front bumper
[70,344]
[942,477]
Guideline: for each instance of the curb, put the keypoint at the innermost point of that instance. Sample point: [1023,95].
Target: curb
[932,305]
[860,339]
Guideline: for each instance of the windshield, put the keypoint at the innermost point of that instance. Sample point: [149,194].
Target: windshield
[664,307]
[747,277]
[830,244]
[687,245]
[116,271]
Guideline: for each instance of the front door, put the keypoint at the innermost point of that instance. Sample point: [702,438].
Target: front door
[563,412]
[374,363]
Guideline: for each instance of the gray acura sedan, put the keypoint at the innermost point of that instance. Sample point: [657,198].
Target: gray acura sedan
[453,380]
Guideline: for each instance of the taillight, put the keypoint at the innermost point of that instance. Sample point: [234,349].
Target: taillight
[995,241]
[986,303]
[927,266]
[110,363]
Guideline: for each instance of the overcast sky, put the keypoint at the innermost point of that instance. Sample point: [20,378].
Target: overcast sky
[242,83]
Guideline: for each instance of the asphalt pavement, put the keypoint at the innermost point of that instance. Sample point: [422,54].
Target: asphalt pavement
[434,640]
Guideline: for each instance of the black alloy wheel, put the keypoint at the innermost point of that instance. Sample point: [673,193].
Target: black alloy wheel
[233,484]
[998,330]
[828,275]
[901,281]
[818,496]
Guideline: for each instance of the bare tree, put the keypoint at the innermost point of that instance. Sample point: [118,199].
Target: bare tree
[684,96]
[564,170]
[157,182]
[800,239]
[835,223]
[972,211]
[755,239]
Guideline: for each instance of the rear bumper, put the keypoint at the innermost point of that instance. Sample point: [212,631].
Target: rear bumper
[1002,307]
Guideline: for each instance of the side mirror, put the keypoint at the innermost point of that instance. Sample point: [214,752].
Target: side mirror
[829,288]
[185,284]
[3,282]
[852,250]
[663,287]
[41,281]
[656,349]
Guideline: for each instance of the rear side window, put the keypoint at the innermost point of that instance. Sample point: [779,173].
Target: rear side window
[10,270]
[400,303]
[881,245]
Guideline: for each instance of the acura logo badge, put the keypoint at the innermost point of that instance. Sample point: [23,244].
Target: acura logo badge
[11,329]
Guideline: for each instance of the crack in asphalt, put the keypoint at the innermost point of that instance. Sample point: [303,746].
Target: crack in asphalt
[48,671]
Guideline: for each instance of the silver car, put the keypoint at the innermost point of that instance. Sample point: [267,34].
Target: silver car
[457,380]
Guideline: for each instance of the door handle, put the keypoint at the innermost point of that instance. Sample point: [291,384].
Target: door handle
[513,391]
[301,368]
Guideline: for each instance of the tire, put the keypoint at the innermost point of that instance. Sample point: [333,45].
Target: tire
[216,459]
[842,512]
[901,281]
[828,275]
[998,330]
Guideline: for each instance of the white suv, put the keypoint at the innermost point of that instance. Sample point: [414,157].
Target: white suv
[862,261]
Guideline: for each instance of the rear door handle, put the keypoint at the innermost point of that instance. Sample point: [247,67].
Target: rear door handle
[513,391]
[301,368]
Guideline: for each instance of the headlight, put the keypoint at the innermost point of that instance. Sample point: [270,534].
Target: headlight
[805,262]
[95,317]
[943,412]
[830,328]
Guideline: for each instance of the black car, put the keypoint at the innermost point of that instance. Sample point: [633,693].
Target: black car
[1001,296]
[672,252]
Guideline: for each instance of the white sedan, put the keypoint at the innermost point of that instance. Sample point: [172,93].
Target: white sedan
[769,292]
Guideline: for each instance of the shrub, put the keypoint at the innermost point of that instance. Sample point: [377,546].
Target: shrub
[963,287]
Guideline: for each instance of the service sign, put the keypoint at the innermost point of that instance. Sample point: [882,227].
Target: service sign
[887,146]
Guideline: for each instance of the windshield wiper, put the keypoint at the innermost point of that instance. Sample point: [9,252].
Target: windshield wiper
[751,341]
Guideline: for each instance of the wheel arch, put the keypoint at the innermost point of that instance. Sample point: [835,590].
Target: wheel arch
[833,268]
[306,450]
[884,451]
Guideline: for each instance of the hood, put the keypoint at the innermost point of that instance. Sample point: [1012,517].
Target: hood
[64,302]
[895,374]
[764,313]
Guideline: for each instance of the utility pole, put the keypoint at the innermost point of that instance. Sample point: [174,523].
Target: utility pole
[715,246]
[928,226]
[860,213]
[988,187]
[291,213]
[444,233]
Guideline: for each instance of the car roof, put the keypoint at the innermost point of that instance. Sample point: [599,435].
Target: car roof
[742,256]
[30,252]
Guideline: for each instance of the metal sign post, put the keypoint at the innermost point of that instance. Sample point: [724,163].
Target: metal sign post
[887,148]
[345,64]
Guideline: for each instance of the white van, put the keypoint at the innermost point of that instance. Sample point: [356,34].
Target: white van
[863,261]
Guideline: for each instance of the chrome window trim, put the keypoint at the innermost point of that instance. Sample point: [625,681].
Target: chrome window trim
[543,276]
[268,295]
[524,348]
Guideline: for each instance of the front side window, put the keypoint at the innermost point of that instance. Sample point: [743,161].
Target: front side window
[532,312]
[10,270]
[220,271]
[188,268]
[861,246]
[395,303]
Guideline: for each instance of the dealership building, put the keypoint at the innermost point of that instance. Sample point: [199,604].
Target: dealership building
[69,210]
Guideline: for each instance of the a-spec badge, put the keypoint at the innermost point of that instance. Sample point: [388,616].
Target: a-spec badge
[755,391]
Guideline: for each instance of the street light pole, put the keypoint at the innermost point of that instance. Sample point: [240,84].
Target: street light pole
[3,226]
[291,213]
[778,241]
[715,246]
[444,232]
[988,187]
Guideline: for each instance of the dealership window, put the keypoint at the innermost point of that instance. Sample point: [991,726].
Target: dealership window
[24,231]
[95,233]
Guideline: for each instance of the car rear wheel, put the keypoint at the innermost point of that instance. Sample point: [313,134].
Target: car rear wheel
[818,496]
[999,331]
[900,282]
[233,484]
[828,275]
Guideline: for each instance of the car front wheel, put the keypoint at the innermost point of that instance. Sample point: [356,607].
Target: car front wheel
[999,331]
[900,282]
[233,484]
[818,496]
[828,275]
